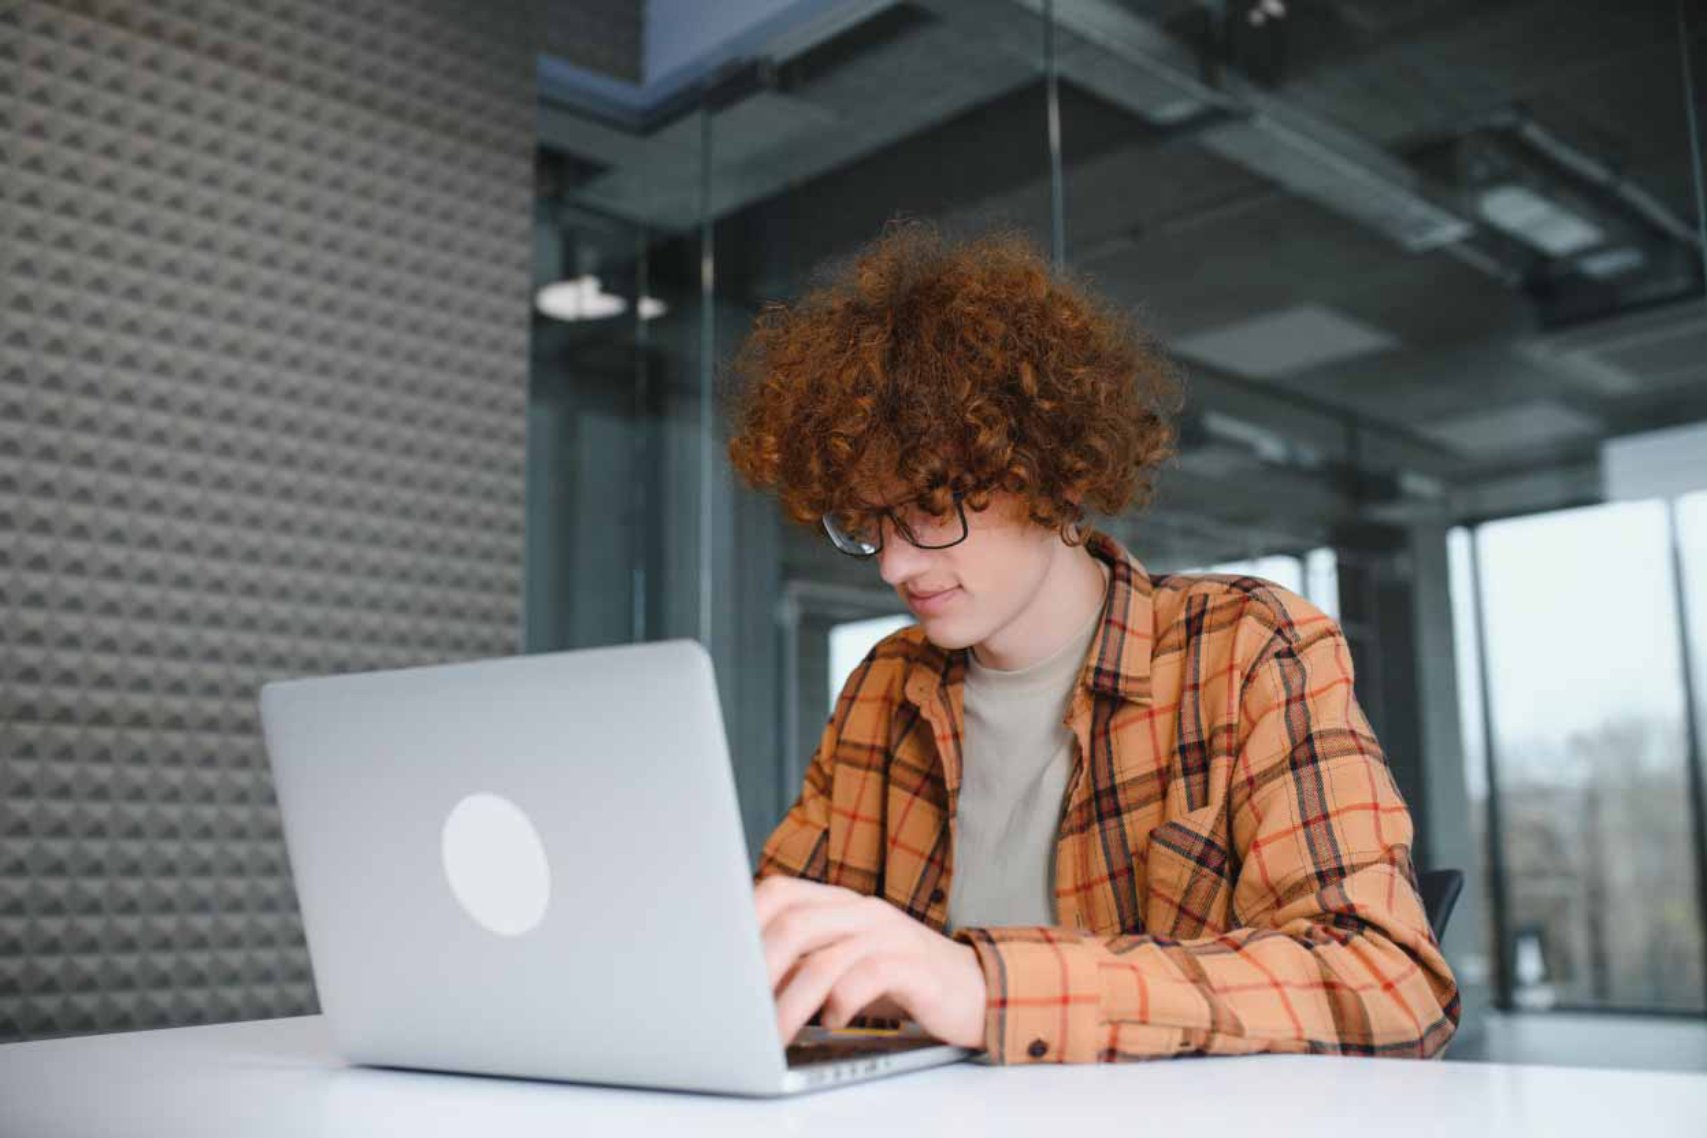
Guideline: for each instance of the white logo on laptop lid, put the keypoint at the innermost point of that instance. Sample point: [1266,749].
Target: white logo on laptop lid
[495,864]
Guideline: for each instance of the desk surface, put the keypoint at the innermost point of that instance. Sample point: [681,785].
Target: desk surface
[279,1077]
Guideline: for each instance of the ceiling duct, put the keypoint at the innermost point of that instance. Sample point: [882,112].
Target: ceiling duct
[1338,172]
[1649,350]
[1309,156]
[828,25]
[1589,241]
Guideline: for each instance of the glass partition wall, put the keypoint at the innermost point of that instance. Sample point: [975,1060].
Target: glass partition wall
[1417,262]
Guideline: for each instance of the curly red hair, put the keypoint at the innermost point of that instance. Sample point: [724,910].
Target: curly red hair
[950,367]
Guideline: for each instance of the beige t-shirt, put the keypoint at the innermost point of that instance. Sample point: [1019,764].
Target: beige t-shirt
[1018,758]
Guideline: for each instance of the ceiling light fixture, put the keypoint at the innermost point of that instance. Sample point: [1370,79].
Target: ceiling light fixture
[1526,215]
[1612,262]
[584,298]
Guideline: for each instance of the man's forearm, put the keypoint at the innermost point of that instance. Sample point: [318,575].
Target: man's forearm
[1061,995]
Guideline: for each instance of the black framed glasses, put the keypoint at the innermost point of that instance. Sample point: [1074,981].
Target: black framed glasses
[924,530]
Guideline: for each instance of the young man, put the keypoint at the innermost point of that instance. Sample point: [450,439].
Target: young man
[1078,812]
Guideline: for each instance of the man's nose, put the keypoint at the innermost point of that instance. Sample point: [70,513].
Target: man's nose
[899,559]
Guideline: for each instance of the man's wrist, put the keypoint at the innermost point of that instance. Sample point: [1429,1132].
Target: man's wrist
[974,1024]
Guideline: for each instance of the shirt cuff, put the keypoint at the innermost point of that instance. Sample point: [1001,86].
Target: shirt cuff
[1043,995]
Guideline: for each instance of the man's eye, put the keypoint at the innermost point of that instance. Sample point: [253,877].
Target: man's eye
[919,518]
[914,515]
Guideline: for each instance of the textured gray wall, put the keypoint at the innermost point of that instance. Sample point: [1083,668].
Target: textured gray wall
[264,281]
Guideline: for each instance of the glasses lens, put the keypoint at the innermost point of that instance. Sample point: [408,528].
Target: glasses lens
[858,543]
[928,531]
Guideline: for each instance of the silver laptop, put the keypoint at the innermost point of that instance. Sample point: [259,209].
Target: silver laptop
[534,866]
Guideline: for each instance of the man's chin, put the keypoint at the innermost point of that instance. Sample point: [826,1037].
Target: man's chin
[946,634]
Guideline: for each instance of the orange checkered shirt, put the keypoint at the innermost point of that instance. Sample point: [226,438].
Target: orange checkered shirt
[1233,865]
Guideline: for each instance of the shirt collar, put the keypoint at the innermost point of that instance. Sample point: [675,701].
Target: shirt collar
[1119,659]
[1118,662]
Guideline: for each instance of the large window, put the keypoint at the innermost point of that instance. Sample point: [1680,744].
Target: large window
[850,641]
[1314,576]
[1574,683]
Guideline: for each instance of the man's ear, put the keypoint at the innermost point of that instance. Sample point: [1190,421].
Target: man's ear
[1074,531]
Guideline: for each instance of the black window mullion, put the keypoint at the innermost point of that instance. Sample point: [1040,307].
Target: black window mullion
[1693,760]
[1497,885]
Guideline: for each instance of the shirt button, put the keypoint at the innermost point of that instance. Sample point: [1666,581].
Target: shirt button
[1038,1049]
[936,896]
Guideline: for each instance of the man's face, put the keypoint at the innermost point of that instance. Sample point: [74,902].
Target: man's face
[964,594]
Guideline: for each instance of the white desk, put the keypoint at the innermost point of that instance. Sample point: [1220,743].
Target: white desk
[279,1077]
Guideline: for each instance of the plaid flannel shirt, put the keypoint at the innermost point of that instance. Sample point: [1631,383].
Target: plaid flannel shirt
[1233,869]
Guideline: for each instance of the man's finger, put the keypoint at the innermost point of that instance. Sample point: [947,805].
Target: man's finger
[804,993]
[875,979]
[801,929]
[781,891]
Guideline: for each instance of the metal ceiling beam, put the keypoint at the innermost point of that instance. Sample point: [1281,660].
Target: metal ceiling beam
[1526,492]
[1155,77]
[1340,436]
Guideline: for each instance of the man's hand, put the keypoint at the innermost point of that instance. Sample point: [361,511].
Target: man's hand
[832,948]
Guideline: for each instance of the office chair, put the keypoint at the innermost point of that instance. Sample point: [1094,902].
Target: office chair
[1440,889]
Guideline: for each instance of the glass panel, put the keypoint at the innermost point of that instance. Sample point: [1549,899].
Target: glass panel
[582,425]
[1587,708]
[1692,543]
[615,358]
[1322,580]
[1468,659]
[1287,572]
[1474,968]
[849,642]
[1315,576]
[1691,521]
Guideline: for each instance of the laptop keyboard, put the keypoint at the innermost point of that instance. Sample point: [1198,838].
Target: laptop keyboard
[845,1047]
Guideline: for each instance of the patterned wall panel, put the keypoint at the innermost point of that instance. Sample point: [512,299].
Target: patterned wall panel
[264,274]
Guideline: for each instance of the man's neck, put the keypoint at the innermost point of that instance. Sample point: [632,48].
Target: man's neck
[1070,593]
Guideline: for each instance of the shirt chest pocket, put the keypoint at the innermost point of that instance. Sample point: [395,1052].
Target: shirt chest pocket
[1189,872]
